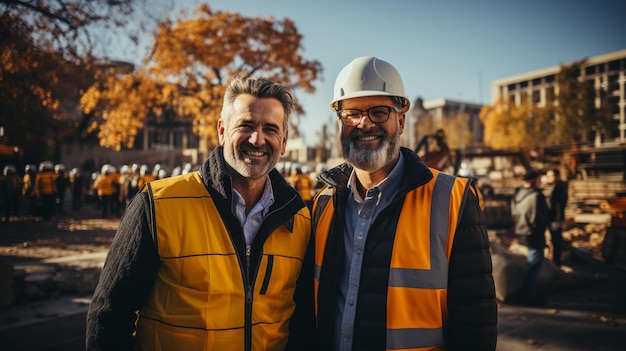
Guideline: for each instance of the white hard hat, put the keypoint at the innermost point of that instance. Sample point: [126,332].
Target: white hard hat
[368,76]
[107,169]
[46,166]
[9,169]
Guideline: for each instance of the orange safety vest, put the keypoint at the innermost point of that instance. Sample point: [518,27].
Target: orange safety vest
[418,274]
[45,183]
[199,300]
[105,184]
[304,185]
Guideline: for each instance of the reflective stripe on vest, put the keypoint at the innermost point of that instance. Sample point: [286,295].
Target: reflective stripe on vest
[419,262]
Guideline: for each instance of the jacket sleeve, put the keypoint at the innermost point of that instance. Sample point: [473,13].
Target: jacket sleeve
[472,308]
[125,281]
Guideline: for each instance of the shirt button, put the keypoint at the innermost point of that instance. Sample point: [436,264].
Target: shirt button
[351,302]
[358,251]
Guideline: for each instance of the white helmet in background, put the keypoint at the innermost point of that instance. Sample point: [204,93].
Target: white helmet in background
[107,169]
[46,166]
[59,167]
[368,76]
[9,170]
[30,168]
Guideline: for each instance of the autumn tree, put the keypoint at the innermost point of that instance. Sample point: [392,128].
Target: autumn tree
[576,117]
[186,73]
[46,55]
[510,126]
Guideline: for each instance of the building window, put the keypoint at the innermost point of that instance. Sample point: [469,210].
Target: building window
[523,85]
[512,87]
[590,71]
[536,96]
[613,82]
[613,105]
[550,78]
[614,66]
[536,82]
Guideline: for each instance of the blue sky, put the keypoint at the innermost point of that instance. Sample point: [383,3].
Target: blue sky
[450,49]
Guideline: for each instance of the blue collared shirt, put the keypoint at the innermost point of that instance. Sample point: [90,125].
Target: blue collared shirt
[252,222]
[360,214]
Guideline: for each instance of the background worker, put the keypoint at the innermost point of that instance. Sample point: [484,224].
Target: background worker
[45,189]
[558,202]
[530,217]
[402,255]
[303,184]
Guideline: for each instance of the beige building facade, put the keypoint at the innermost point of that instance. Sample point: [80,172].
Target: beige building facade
[606,73]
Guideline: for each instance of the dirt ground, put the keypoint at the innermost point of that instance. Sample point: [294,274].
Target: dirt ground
[80,232]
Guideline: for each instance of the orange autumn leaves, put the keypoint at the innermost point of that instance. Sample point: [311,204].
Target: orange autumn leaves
[184,77]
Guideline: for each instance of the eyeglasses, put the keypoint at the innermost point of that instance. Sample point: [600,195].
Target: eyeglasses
[376,114]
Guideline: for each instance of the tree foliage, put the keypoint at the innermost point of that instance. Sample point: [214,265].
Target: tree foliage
[45,60]
[577,118]
[190,64]
[510,126]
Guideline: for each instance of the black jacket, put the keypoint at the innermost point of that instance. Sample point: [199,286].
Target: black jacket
[132,263]
[558,201]
[472,323]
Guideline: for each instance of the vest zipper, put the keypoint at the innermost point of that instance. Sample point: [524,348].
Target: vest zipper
[248,316]
[248,287]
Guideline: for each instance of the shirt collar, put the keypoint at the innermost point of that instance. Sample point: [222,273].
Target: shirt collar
[267,199]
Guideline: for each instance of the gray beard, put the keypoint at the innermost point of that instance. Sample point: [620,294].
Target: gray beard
[371,160]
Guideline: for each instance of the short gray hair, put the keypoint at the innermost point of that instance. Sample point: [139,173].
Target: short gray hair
[258,87]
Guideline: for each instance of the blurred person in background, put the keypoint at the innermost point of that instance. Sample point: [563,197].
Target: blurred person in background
[303,184]
[530,217]
[558,201]
[106,189]
[12,185]
[144,176]
[125,177]
[45,189]
[77,189]
[62,184]
[30,174]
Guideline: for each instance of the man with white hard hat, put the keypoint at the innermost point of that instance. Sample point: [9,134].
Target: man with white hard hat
[402,255]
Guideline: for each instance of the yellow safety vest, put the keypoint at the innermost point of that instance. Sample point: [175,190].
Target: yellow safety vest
[199,300]
[418,274]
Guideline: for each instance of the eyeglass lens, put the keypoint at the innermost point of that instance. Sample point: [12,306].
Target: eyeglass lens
[376,114]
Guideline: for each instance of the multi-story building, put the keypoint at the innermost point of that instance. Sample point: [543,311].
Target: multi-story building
[459,119]
[606,73]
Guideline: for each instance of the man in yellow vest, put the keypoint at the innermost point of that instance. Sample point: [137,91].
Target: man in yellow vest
[216,259]
[45,189]
[402,257]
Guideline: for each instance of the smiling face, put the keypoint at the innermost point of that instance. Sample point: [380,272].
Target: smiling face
[253,135]
[371,146]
